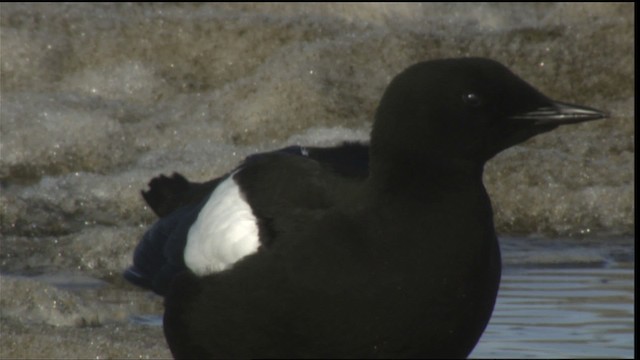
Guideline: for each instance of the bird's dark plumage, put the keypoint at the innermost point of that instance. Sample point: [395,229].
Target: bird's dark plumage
[177,202]
[386,251]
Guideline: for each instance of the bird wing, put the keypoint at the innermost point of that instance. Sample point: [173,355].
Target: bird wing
[286,188]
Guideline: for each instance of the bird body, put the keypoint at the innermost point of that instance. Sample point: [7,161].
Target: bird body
[360,291]
[302,253]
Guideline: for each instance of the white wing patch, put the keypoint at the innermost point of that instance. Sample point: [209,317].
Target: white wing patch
[224,232]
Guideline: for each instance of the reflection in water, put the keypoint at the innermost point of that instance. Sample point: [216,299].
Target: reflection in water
[568,312]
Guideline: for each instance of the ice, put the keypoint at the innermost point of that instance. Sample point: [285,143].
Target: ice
[43,303]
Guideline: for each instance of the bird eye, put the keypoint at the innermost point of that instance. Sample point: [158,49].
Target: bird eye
[472,99]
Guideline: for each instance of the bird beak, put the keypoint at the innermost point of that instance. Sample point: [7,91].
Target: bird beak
[560,114]
[525,125]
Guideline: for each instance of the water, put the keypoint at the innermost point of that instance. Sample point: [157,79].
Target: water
[568,313]
[564,310]
[96,99]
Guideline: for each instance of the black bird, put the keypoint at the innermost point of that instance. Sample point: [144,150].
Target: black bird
[294,255]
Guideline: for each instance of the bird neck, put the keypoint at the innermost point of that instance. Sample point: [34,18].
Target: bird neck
[423,175]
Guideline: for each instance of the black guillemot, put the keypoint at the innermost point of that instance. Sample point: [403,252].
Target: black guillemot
[379,250]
